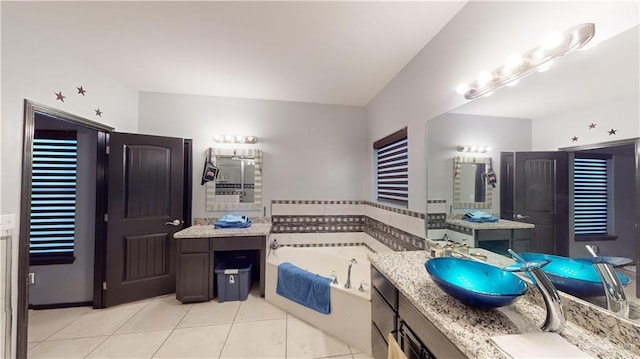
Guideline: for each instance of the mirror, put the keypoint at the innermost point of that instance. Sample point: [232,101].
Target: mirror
[238,186]
[470,188]
[510,121]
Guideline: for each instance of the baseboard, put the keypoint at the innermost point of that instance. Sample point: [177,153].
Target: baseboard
[60,305]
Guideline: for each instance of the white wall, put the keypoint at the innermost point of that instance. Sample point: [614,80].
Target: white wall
[447,131]
[621,114]
[311,151]
[478,37]
[34,69]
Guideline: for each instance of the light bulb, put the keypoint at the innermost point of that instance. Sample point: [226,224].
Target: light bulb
[251,139]
[473,148]
[488,149]
[240,139]
[461,89]
[552,41]
[481,149]
[514,61]
[484,77]
[217,138]
[228,138]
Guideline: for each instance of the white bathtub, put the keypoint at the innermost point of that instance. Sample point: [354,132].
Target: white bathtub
[350,317]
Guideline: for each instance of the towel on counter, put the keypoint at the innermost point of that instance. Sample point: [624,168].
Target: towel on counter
[304,288]
[232,221]
[479,217]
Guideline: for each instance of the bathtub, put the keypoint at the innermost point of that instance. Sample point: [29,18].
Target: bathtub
[350,317]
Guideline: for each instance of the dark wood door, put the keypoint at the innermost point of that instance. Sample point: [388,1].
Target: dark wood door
[145,201]
[506,185]
[541,197]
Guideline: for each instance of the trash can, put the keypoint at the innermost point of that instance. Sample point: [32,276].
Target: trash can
[234,279]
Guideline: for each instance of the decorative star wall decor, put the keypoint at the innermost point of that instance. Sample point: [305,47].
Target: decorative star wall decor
[612,132]
[592,126]
[59,96]
[98,112]
[81,90]
[574,138]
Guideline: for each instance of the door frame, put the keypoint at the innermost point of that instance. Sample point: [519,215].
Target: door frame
[30,109]
[630,141]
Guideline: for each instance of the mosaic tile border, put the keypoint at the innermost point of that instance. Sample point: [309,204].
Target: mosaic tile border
[436,221]
[406,212]
[392,237]
[436,201]
[302,245]
[318,224]
[287,201]
[460,229]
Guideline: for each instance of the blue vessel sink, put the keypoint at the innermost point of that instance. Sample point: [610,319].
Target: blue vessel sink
[573,276]
[475,283]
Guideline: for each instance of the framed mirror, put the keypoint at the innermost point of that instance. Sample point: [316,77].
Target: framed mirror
[470,189]
[238,186]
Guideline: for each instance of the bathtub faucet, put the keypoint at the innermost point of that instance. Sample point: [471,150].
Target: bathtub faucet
[348,283]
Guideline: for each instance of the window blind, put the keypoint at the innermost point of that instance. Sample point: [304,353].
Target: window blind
[591,196]
[393,170]
[53,195]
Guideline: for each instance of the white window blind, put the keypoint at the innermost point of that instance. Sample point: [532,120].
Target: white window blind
[53,195]
[591,196]
[393,169]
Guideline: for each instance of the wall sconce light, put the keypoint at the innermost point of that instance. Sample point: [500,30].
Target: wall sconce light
[537,59]
[474,149]
[235,139]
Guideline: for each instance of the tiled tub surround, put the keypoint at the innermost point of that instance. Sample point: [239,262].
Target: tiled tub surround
[350,308]
[470,329]
[397,228]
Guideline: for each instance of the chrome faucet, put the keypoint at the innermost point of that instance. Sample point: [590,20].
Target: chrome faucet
[348,283]
[613,289]
[555,319]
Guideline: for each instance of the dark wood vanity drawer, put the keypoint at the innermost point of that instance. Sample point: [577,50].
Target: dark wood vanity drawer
[427,333]
[193,245]
[493,234]
[378,344]
[385,288]
[382,315]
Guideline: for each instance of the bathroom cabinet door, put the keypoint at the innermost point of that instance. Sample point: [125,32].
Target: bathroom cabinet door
[194,277]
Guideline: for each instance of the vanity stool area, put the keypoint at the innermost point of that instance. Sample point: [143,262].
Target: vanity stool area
[201,248]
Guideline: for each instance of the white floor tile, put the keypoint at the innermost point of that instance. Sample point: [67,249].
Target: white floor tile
[263,339]
[200,342]
[362,356]
[306,341]
[333,357]
[256,308]
[70,348]
[132,345]
[160,314]
[31,345]
[45,323]
[210,313]
[99,322]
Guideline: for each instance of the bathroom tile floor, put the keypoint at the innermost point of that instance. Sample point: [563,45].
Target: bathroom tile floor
[162,327]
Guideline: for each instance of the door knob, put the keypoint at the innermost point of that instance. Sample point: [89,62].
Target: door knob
[175,223]
[519,216]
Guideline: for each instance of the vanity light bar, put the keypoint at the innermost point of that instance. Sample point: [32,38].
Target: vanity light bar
[537,59]
[474,149]
[235,139]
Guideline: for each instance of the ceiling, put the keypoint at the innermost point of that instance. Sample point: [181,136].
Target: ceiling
[321,52]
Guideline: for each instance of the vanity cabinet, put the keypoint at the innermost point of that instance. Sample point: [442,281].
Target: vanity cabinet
[391,312]
[500,240]
[194,281]
[197,258]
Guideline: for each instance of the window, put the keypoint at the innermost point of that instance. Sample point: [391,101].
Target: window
[53,197]
[591,196]
[392,168]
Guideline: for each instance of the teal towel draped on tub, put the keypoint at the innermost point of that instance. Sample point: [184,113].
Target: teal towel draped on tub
[305,288]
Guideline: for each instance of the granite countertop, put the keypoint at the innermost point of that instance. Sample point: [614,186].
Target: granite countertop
[470,329]
[501,224]
[207,231]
